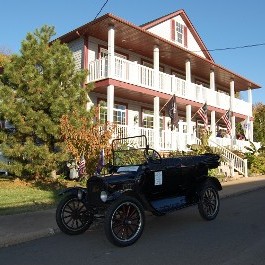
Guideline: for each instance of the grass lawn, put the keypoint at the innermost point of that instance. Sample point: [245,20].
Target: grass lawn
[18,196]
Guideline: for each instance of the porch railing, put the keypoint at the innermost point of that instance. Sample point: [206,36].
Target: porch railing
[234,162]
[136,74]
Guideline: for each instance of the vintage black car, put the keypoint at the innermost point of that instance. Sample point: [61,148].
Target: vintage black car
[139,180]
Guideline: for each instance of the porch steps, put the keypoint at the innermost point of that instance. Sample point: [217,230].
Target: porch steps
[225,170]
[231,164]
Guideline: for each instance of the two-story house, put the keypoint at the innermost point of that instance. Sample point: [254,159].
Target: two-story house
[137,69]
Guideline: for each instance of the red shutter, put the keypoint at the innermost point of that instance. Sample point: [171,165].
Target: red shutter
[173,30]
[185,36]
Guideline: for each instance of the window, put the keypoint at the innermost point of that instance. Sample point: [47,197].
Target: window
[150,65]
[179,32]
[148,119]
[119,113]
[103,52]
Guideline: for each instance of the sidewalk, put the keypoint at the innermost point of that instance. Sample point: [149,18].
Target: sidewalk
[24,227]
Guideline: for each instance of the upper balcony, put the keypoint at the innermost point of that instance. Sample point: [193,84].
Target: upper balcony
[139,75]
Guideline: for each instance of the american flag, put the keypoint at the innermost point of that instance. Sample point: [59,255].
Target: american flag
[203,114]
[82,167]
[227,120]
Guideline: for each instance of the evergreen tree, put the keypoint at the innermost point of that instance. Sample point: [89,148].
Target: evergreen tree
[39,86]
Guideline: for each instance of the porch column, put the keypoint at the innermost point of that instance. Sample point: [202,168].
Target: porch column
[212,80]
[110,103]
[188,121]
[156,124]
[213,125]
[250,101]
[111,59]
[156,66]
[251,130]
[188,71]
[233,118]
[250,122]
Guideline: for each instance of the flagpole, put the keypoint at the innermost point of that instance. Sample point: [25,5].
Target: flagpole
[219,119]
[166,103]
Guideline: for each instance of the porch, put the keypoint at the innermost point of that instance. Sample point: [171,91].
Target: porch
[177,140]
[135,74]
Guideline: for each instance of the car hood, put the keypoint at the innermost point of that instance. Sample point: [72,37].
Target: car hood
[120,177]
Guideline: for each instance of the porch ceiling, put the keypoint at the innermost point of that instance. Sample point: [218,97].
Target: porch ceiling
[146,98]
[137,40]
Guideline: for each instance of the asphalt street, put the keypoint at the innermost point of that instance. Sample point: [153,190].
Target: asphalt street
[236,236]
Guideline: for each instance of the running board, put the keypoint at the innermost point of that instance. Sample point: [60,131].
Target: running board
[169,204]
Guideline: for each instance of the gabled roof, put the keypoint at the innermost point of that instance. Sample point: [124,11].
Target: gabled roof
[140,41]
[188,23]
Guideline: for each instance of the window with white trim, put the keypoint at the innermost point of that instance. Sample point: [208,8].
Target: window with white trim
[103,52]
[148,119]
[119,113]
[179,32]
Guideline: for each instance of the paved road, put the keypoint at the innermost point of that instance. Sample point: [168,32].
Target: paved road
[236,237]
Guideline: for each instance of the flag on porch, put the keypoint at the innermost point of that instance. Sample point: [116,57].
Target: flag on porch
[203,114]
[227,120]
[82,167]
[173,112]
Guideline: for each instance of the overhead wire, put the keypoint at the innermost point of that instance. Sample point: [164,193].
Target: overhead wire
[101,9]
[233,48]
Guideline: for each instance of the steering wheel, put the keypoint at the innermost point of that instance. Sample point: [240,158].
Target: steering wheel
[152,155]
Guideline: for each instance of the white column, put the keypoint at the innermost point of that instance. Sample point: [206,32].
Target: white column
[110,103]
[250,123]
[250,101]
[188,71]
[213,125]
[188,121]
[233,118]
[251,131]
[111,45]
[156,124]
[232,94]
[156,66]
[212,80]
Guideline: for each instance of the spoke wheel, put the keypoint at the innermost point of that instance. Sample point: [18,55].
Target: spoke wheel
[209,202]
[124,221]
[72,216]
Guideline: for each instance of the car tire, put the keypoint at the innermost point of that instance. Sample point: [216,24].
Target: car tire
[124,221]
[209,202]
[72,216]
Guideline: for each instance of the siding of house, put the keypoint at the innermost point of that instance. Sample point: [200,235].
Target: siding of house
[76,47]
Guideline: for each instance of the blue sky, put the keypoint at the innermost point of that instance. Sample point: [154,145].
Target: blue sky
[221,24]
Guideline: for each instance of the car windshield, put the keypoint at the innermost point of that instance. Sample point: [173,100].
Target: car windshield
[129,151]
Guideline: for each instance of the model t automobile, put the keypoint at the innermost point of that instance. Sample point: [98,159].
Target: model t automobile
[139,180]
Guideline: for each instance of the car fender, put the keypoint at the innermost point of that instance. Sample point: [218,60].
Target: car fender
[77,191]
[211,180]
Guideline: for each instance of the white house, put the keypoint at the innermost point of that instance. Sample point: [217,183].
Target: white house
[137,69]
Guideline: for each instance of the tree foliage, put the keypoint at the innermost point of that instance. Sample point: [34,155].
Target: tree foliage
[259,123]
[37,88]
[85,138]
[5,56]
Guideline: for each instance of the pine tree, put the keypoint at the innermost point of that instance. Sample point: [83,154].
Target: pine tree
[39,86]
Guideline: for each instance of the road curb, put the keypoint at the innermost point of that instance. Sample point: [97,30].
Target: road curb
[22,238]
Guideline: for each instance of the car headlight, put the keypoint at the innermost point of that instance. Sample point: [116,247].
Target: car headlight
[103,196]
